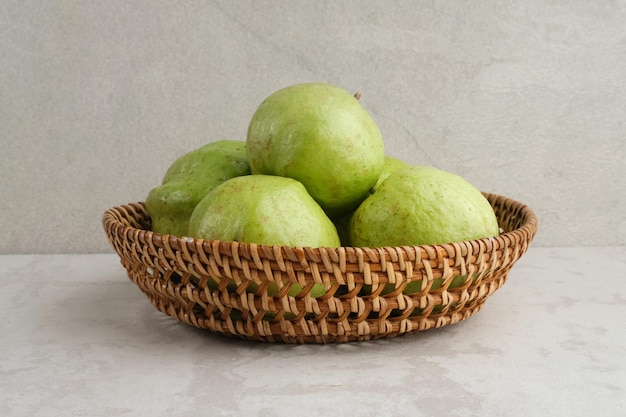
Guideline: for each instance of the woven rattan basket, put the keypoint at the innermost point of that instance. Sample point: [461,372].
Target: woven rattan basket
[317,295]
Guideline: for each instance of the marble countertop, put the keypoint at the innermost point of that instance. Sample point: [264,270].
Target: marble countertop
[79,339]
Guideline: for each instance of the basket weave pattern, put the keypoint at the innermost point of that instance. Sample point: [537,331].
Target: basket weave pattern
[272,293]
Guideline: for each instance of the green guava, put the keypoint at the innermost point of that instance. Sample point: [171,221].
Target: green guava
[262,209]
[421,205]
[189,179]
[322,136]
[342,223]
[391,165]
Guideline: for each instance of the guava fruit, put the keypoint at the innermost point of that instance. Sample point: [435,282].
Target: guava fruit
[391,165]
[421,205]
[262,209]
[189,178]
[342,223]
[322,136]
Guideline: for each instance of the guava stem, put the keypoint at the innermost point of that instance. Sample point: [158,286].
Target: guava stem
[357,95]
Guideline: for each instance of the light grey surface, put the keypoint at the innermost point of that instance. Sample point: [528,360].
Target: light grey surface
[524,99]
[80,339]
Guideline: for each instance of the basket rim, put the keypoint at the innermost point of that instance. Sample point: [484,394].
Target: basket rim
[525,232]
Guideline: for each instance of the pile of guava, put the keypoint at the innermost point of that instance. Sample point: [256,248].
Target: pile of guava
[313,172]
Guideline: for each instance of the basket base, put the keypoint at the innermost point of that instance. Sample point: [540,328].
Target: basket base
[247,326]
[355,332]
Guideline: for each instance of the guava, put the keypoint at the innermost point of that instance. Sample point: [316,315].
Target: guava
[189,178]
[322,136]
[262,209]
[421,205]
[342,223]
[391,165]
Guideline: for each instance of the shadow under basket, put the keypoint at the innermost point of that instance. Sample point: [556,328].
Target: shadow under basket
[317,295]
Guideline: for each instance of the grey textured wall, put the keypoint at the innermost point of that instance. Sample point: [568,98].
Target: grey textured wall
[525,99]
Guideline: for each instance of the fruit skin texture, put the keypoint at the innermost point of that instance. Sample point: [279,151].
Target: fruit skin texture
[189,179]
[263,209]
[422,205]
[391,165]
[342,223]
[322,136]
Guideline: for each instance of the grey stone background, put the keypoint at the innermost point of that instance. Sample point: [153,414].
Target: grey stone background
[525,99]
